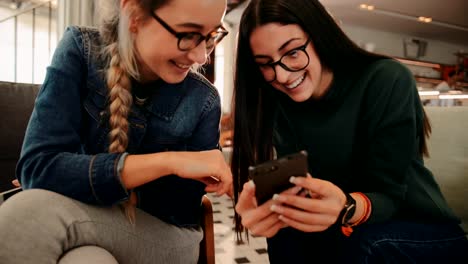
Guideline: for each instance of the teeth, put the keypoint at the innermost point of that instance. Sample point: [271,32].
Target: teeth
[296,83]
[183,66]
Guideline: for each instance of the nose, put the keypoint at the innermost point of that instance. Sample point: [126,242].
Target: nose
[198,54]
[282,75]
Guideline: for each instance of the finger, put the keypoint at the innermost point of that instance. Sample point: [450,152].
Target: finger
[308,193]
[231,192]
[246,198]
[212,188]
[226,182]
[16,183]
[261,227]
[256,215]
[293,190]
[274,229]
[305,203]
[213,184]
[301,226]
[211,180]
[317,186]
[304,217]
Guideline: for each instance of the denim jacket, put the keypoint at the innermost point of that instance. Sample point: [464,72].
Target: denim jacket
[66,143]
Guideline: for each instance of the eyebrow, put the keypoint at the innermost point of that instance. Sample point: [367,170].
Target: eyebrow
[196,26]
[279,49]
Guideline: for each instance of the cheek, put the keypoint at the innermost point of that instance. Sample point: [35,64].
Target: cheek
[315,70]
[149,47]
[141,48]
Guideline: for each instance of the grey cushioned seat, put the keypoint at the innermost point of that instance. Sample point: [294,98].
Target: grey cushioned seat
[16,104]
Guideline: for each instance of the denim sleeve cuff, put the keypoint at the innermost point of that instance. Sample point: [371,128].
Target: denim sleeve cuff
[120,164]
[104,177]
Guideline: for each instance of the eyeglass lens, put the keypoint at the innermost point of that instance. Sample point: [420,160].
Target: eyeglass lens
[294,60]
[191,40]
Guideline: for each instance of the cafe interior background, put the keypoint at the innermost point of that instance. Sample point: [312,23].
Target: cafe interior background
[429,36]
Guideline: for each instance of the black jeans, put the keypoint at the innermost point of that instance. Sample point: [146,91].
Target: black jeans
[390,242]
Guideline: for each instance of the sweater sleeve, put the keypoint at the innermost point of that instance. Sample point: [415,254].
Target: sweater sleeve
[390,118]
[52,156]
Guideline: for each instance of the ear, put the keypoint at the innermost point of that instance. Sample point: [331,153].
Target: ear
[133,24]
[123,3]
[127,7]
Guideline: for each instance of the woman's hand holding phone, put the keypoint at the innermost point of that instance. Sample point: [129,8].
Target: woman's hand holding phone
[259,219]
[313,214]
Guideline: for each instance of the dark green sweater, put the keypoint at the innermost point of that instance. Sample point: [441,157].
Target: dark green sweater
[363,136]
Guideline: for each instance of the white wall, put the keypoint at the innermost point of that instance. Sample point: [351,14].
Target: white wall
[69,12]
[73,12]
[391,44]
[224,71]
[24,63]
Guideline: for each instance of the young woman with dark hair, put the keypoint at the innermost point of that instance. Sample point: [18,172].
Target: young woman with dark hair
[122,121]
[302,84]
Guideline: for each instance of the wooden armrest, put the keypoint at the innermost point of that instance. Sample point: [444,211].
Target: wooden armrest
[207,248]
[7,194]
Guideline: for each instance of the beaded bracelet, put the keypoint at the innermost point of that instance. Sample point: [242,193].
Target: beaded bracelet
[347,229]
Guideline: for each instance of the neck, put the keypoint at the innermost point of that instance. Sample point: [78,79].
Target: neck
[325,83]
[147,76]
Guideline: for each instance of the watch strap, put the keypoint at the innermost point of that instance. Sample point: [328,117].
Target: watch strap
[348,210]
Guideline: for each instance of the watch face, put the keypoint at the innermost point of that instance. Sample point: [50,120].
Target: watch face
[348,211]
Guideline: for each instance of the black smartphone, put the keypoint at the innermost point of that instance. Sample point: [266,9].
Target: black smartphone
[273,176]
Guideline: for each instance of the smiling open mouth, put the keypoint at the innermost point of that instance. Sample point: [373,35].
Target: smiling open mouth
[296,83]
[182,66]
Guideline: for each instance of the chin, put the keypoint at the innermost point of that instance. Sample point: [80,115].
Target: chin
[173,79]
[300,98]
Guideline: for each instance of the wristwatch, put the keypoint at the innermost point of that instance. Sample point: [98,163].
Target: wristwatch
[348,210]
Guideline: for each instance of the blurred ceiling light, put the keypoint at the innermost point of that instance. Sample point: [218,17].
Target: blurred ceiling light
[425,19]
[15,5]
[411,17]
[367,7]
[420,63]
[453,96]
[427,93]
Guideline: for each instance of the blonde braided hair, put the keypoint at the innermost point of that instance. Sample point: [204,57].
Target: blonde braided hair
[119,49]
[120,98]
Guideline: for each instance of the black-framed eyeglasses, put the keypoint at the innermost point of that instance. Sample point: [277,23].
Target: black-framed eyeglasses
[294,60]
[190,40]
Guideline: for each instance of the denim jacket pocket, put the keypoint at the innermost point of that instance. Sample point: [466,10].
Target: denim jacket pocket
[137,123]
[97,122]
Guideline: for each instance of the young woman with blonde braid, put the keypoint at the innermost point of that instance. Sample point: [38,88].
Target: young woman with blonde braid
[122,122]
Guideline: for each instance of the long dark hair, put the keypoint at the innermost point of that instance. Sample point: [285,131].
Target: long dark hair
[254,99]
